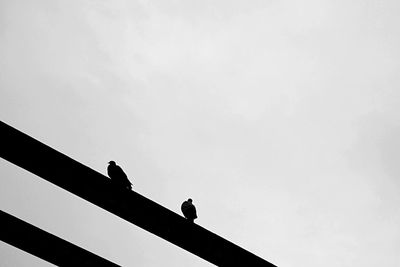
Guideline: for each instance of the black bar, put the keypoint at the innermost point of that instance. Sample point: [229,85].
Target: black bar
[45,245]
[57,168]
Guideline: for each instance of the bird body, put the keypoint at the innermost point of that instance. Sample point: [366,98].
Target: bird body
[189,210]
[118,176]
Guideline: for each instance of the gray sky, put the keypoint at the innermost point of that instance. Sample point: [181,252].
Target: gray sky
[279,118]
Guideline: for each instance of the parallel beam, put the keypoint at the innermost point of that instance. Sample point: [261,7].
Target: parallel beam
[45,245]
[55,167]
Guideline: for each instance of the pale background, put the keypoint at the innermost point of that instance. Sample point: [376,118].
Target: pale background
[279,118]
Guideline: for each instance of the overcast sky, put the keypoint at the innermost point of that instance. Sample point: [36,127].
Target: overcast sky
[280,119]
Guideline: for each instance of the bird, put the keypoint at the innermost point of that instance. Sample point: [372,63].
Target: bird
[118,176]
[189,210]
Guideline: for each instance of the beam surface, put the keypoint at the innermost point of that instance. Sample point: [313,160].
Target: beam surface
[57,168]
[45,245]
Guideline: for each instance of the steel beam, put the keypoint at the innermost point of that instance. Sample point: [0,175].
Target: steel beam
[45,245]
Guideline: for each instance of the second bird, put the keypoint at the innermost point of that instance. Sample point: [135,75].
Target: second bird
[189,210]
[118,176]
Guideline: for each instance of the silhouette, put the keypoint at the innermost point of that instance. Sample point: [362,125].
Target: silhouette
[189,210]
[118,176]
[45,162]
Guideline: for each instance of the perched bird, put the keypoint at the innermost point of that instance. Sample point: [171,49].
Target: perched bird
[189,210]
[118,176]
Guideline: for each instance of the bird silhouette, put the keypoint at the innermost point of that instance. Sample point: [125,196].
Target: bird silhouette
[189,210]
[118,176]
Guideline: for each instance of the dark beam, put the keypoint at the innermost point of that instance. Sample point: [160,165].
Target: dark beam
[57,168]
[45,245]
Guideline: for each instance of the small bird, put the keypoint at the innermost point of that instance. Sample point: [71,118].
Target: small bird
[189,210]
[118,176]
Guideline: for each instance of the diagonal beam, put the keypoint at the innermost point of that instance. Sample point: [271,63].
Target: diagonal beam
[55,167]
[45,245]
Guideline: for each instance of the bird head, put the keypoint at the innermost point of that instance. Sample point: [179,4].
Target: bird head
[111,162]
[190,200]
